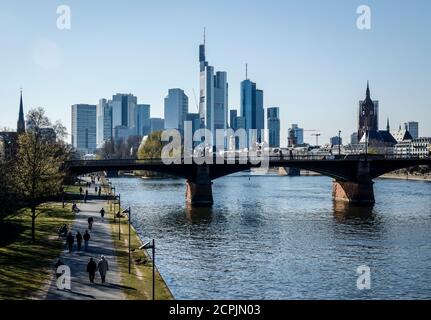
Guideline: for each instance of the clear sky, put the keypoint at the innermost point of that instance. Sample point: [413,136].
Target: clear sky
[308,56]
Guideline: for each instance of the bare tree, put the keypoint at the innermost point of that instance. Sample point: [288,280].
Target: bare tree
[37,172]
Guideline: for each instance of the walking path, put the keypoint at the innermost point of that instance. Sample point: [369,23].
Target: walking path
[101,243]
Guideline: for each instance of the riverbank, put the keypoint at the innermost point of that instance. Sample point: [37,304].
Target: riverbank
[138,283]
[26,267]
[406,177]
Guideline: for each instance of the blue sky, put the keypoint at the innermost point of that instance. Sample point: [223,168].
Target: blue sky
[308,56]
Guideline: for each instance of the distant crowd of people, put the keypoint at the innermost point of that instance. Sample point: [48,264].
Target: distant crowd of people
[92,267]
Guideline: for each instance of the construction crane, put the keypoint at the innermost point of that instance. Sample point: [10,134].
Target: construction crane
[317,135]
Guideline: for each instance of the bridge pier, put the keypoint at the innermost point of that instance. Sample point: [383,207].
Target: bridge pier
[353,192]
[199,191]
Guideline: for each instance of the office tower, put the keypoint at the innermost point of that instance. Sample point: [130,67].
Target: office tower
[232,116]
[213,96]
[176,109]
[368,115]
[157,124]
[123,110]
[104,122]
[123,132]
[21,122]
[354,138]
[195,121]
[142,119]
[252,109]
[296,135]
[273,126]
[84,129]
[413,128]
[335,141]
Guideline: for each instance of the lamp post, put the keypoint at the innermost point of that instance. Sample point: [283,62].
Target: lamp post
[119,217]
[152,245]
[339,143]
[128,211]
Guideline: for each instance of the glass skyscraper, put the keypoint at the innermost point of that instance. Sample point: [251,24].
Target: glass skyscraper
[252,109]
[273,125]
[176,109]
[84,127]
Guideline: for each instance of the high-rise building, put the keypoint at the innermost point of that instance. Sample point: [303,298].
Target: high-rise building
[413,128]
[84,127]
[232,116]
[354,138]
[123,110]
[157,124]
[142,119]
[336,141]
[104,122]
[368,115]
[21,122]
[176,109]
[213,96]
[296,135]
[273,126]
[195,120]
[252,109]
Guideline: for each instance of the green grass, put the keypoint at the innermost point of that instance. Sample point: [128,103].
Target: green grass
[139,282]
[26,267]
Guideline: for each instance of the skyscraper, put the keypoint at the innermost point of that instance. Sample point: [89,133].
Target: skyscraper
[142,119]
[232,119]
[368,115]
[104,122]
[252,109]
[295,135]
[156,124]
[84,127]
[273,125]
[176,109]
[413,128]
[123,110]
[21,122]
[213,96]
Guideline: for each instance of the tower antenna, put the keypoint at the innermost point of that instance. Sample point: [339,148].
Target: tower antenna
[204,36]
[246,71]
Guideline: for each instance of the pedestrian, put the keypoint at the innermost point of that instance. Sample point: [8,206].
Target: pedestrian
[86,196]
[86,239]
[69,241]
[100,191]
[91,269]
[80,190]
[95,189]
[79,240]
[57,264]
[103,268]
[90,222]
[102,213]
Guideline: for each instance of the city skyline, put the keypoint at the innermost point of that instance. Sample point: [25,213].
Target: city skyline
[294,77]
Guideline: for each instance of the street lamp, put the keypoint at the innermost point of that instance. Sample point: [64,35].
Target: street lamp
[119,217]
[128,211]
[151,245]
[339,143]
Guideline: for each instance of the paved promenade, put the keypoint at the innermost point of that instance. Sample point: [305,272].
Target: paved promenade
[101,243]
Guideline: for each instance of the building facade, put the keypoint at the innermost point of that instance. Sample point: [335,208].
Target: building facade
[368,115]
[142,119]
[413,128]
[84,127]
[157,124]
[252,110]
[273,126]
[104,122]
[176,109]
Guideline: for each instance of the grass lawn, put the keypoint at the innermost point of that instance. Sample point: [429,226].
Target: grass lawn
[26,267]
[139,281]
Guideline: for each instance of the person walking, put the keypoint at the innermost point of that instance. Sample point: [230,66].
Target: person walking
[86,196]
[90,222]
[102,213]
[80,190]
[100,191]
[79,240]
[91,269]
[86,239]
[69,241]
[103,268]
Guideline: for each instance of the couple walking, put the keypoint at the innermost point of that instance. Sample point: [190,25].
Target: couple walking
[102,266]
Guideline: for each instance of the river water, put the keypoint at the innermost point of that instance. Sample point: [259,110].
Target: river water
[274,237]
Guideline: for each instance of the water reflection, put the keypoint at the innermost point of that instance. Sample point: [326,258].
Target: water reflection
[345,212]
[198,215]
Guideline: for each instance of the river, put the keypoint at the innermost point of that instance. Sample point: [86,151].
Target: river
[274,237]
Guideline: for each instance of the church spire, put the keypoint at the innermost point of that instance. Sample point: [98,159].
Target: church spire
[21,123]
[388,128]
[368,90]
